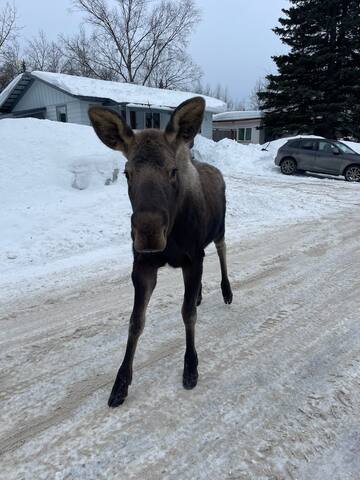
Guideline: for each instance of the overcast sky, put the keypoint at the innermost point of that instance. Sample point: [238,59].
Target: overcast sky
[233,44]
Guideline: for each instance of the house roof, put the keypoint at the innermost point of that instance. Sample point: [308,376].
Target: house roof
[238,115]
[14,91]
[117,92]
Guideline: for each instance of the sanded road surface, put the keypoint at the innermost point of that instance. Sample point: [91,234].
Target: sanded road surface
[279,388]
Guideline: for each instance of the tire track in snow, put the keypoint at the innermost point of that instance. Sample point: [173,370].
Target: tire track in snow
[291,321]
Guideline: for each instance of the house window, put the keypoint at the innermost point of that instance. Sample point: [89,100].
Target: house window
[61,113]
[133,119]
[152,120]
[148,120]
[156,120]
[244,134]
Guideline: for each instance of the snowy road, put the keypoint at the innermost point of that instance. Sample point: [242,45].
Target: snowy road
[279,389]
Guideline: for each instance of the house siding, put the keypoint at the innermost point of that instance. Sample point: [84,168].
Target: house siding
[257,134]
[41,95]
[164,119]
[206,127]
[84,108]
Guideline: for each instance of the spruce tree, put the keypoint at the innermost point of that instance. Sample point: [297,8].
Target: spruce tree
[317,87]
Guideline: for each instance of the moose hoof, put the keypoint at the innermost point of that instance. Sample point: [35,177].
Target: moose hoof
[190,380]
[228,298]
[118,393]
[226,292]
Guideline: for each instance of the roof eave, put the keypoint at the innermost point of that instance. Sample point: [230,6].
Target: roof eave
[16,93]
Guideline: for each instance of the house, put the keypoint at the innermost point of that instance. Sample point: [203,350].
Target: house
[243,126]
[67,98]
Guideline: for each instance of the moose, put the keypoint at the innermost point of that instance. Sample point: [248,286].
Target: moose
[178,209]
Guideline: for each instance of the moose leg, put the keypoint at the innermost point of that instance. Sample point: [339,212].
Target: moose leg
[192,279]
[199,299]
[225,284]
[144,281]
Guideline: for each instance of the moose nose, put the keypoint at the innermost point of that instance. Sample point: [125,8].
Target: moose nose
[149,231]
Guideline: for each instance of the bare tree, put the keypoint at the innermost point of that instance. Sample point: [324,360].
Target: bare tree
[42,54]
[135,41]
[221,93]
[260,86]
[11,64]
[176,70]
[83,57]
[8,27]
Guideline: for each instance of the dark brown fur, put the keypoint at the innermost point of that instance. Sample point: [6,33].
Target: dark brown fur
[178,209]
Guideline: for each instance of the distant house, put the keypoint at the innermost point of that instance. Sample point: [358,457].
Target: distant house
[242,126]
[67,98]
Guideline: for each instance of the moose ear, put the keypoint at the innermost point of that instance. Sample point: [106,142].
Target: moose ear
[111,128]
[185,122]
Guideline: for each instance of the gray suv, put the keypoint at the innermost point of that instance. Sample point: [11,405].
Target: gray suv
[319,155]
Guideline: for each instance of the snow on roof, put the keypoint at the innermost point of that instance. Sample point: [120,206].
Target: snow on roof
[4,94]
[238,115]
[124,92]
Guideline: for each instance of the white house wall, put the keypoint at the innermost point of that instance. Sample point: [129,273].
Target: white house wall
[41,95]
[164,119]
[206,127]
[236,124]
[84,117]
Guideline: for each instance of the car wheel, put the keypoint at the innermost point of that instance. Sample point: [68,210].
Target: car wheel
[288,166]
[352,173]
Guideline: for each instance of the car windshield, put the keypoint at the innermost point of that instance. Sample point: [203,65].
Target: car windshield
[344,148]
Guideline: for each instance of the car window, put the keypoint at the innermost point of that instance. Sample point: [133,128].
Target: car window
[344,148]
[294,144]
[307,145]
[327,147]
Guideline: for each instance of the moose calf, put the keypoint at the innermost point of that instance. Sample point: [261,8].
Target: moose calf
[178,209]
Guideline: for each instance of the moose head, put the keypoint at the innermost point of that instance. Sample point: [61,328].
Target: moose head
[157,168]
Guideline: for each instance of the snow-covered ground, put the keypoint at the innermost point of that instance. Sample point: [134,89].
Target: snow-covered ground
[53,235]
[278,394]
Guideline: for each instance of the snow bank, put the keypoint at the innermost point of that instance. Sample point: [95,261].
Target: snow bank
[43,218]
[233,158]
[54,235]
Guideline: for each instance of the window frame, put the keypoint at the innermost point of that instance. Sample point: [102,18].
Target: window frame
[59,113]
[149,115]
[244,137]
[133,120]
